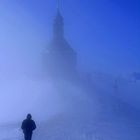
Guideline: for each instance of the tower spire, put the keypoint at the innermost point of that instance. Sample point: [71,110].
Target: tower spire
[58,5]
[58,2]
[58,23]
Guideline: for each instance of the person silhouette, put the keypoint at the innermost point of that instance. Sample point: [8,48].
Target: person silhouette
[28,126]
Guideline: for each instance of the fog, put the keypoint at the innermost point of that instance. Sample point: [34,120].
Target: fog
[24,36]
[19,61]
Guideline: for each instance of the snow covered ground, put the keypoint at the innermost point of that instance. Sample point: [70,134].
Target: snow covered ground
[102,117]
[68,128]
[81,125]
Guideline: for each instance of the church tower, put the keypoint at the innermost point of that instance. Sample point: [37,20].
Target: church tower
[60,58]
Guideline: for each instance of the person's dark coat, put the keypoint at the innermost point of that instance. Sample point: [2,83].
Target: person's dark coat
[28,125]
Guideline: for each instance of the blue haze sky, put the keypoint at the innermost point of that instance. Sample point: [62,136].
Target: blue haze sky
[105,33]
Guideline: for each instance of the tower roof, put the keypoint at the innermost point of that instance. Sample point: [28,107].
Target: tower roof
[58,28]
[59,43]
[58,16]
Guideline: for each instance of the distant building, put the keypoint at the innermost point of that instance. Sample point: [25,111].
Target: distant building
[60,58]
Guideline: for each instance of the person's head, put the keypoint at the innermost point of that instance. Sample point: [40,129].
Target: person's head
[29,116]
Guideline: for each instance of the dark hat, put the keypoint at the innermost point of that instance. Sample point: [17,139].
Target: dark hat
[29,116]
